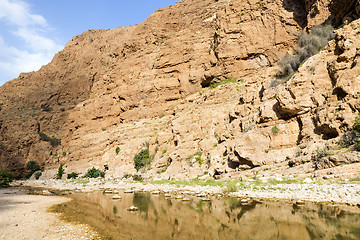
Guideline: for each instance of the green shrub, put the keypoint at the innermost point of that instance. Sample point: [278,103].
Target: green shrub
[32,165]
[138,178]
[357,146]
[38,175]
[164,151]
[64,154]
[353,136]
[72,175]
[29,174]
[141,159]
[310,43]
[348,139]
[94,173]
[5,178]
[53,141]
[60,172]
[318,155]
[275,129]
[117,150]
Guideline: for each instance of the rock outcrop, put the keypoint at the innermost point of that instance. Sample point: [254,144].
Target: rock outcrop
[124,87]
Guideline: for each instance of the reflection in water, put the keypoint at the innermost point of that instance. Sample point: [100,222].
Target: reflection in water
[227,218]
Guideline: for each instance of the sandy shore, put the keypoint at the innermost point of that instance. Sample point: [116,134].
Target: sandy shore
[25,216]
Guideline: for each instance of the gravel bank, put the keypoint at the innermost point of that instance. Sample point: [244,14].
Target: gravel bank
[303,190]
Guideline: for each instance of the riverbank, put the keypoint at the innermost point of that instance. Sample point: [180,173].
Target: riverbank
[296,190]
[24,216]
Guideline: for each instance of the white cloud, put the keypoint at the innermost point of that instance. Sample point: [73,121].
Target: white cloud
[18,13]
[36,49]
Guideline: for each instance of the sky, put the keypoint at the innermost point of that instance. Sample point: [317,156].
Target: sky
[32,31]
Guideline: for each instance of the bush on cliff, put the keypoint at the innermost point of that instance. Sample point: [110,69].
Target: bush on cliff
[60,172]
[310,43]
[94,173]
[353,136]
[32,166]
[143,158]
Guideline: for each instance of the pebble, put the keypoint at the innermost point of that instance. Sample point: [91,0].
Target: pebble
[307,180]
[133,209]
[156,192]
[115,197]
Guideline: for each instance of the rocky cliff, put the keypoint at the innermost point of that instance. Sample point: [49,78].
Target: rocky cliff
[110,93]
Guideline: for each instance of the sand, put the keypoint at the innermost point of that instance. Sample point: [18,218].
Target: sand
[25,216]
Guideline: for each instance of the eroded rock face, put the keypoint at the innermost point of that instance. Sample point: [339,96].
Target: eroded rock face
[149,83]
[345,10]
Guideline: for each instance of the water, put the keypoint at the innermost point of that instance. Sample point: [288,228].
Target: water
[223,218]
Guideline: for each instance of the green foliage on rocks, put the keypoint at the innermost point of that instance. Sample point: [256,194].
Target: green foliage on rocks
[222,82]
[94,173]
[60,172]
[5,178]
[32,166]
[352,138]
[38,175]
[141,159]
[275,129]
[72,175]
[117,150]
[310,43]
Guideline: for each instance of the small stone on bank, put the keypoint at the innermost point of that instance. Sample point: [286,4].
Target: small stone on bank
[133,209]
[115,197]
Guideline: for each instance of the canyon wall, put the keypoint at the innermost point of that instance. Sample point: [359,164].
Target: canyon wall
[150,83]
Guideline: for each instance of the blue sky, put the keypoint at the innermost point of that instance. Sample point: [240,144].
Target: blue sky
[32,31]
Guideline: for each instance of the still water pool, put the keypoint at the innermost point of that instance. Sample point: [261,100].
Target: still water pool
[159,217]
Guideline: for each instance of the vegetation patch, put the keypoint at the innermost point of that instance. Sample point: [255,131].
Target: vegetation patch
[222,82]
[32,166]
[310,43]
[143,158]
[38,175]
[318,155]
[117,150]
[72,175]
[275,129]
[60,172]
[352,138]
[94,173]
[5,178]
